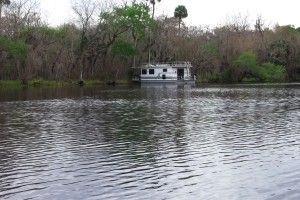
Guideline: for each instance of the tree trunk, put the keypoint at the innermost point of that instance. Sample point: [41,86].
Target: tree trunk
[0,19]
[179,24]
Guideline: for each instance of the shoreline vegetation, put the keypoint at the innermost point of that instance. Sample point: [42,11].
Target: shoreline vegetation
[59,83]
[62,83]
[108,44]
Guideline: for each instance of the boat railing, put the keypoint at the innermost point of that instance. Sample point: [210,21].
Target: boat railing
[169,64]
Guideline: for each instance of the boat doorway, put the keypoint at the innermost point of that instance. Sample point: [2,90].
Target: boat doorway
[180,74]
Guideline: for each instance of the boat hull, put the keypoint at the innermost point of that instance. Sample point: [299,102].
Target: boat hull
[162,81]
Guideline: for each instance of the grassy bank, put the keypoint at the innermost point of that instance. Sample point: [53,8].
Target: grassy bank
[58,83]
[11,83]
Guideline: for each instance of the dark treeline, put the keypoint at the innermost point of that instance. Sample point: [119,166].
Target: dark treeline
[106,40]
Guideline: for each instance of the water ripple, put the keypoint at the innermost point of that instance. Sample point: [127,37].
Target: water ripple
[153,143]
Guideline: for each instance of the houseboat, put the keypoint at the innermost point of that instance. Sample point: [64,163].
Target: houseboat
[172,72]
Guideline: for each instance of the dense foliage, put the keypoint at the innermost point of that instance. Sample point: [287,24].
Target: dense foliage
[107,46]
[13,56]
[247,64]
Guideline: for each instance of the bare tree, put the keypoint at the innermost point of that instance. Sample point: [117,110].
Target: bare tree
[86,15]
[238,22]
[20,14]
[2,4]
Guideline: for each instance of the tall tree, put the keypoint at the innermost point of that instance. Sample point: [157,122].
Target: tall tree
[21,14]
[128,29]
[153,2]
[180,13]
[2,3]
[85,12]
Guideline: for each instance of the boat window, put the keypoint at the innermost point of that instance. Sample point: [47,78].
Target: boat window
[144,71]
[151,71]
[165,70]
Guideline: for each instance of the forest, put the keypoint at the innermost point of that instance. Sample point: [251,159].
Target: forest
[105,40]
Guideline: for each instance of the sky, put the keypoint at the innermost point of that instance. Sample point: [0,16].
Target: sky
[211,13]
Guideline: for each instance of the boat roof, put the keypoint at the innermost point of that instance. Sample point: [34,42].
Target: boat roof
[176,64]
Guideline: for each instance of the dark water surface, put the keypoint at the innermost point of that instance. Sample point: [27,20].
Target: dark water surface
[168,142]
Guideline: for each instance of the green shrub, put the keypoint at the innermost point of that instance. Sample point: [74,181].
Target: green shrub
[246,59]
[15,48]
[246,64]
[275,72]
[269,72]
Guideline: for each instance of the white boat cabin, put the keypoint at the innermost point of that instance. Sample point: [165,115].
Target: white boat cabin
[166,72]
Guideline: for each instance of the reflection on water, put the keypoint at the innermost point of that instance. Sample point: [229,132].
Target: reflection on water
[159,142]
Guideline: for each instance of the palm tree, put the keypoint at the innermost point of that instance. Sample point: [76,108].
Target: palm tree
[153,6]
[153,2]
[180,13]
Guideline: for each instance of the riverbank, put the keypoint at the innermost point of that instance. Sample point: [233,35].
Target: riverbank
[57,83]
[63,83]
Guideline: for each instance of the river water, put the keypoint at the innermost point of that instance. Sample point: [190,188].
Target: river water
[150,142]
